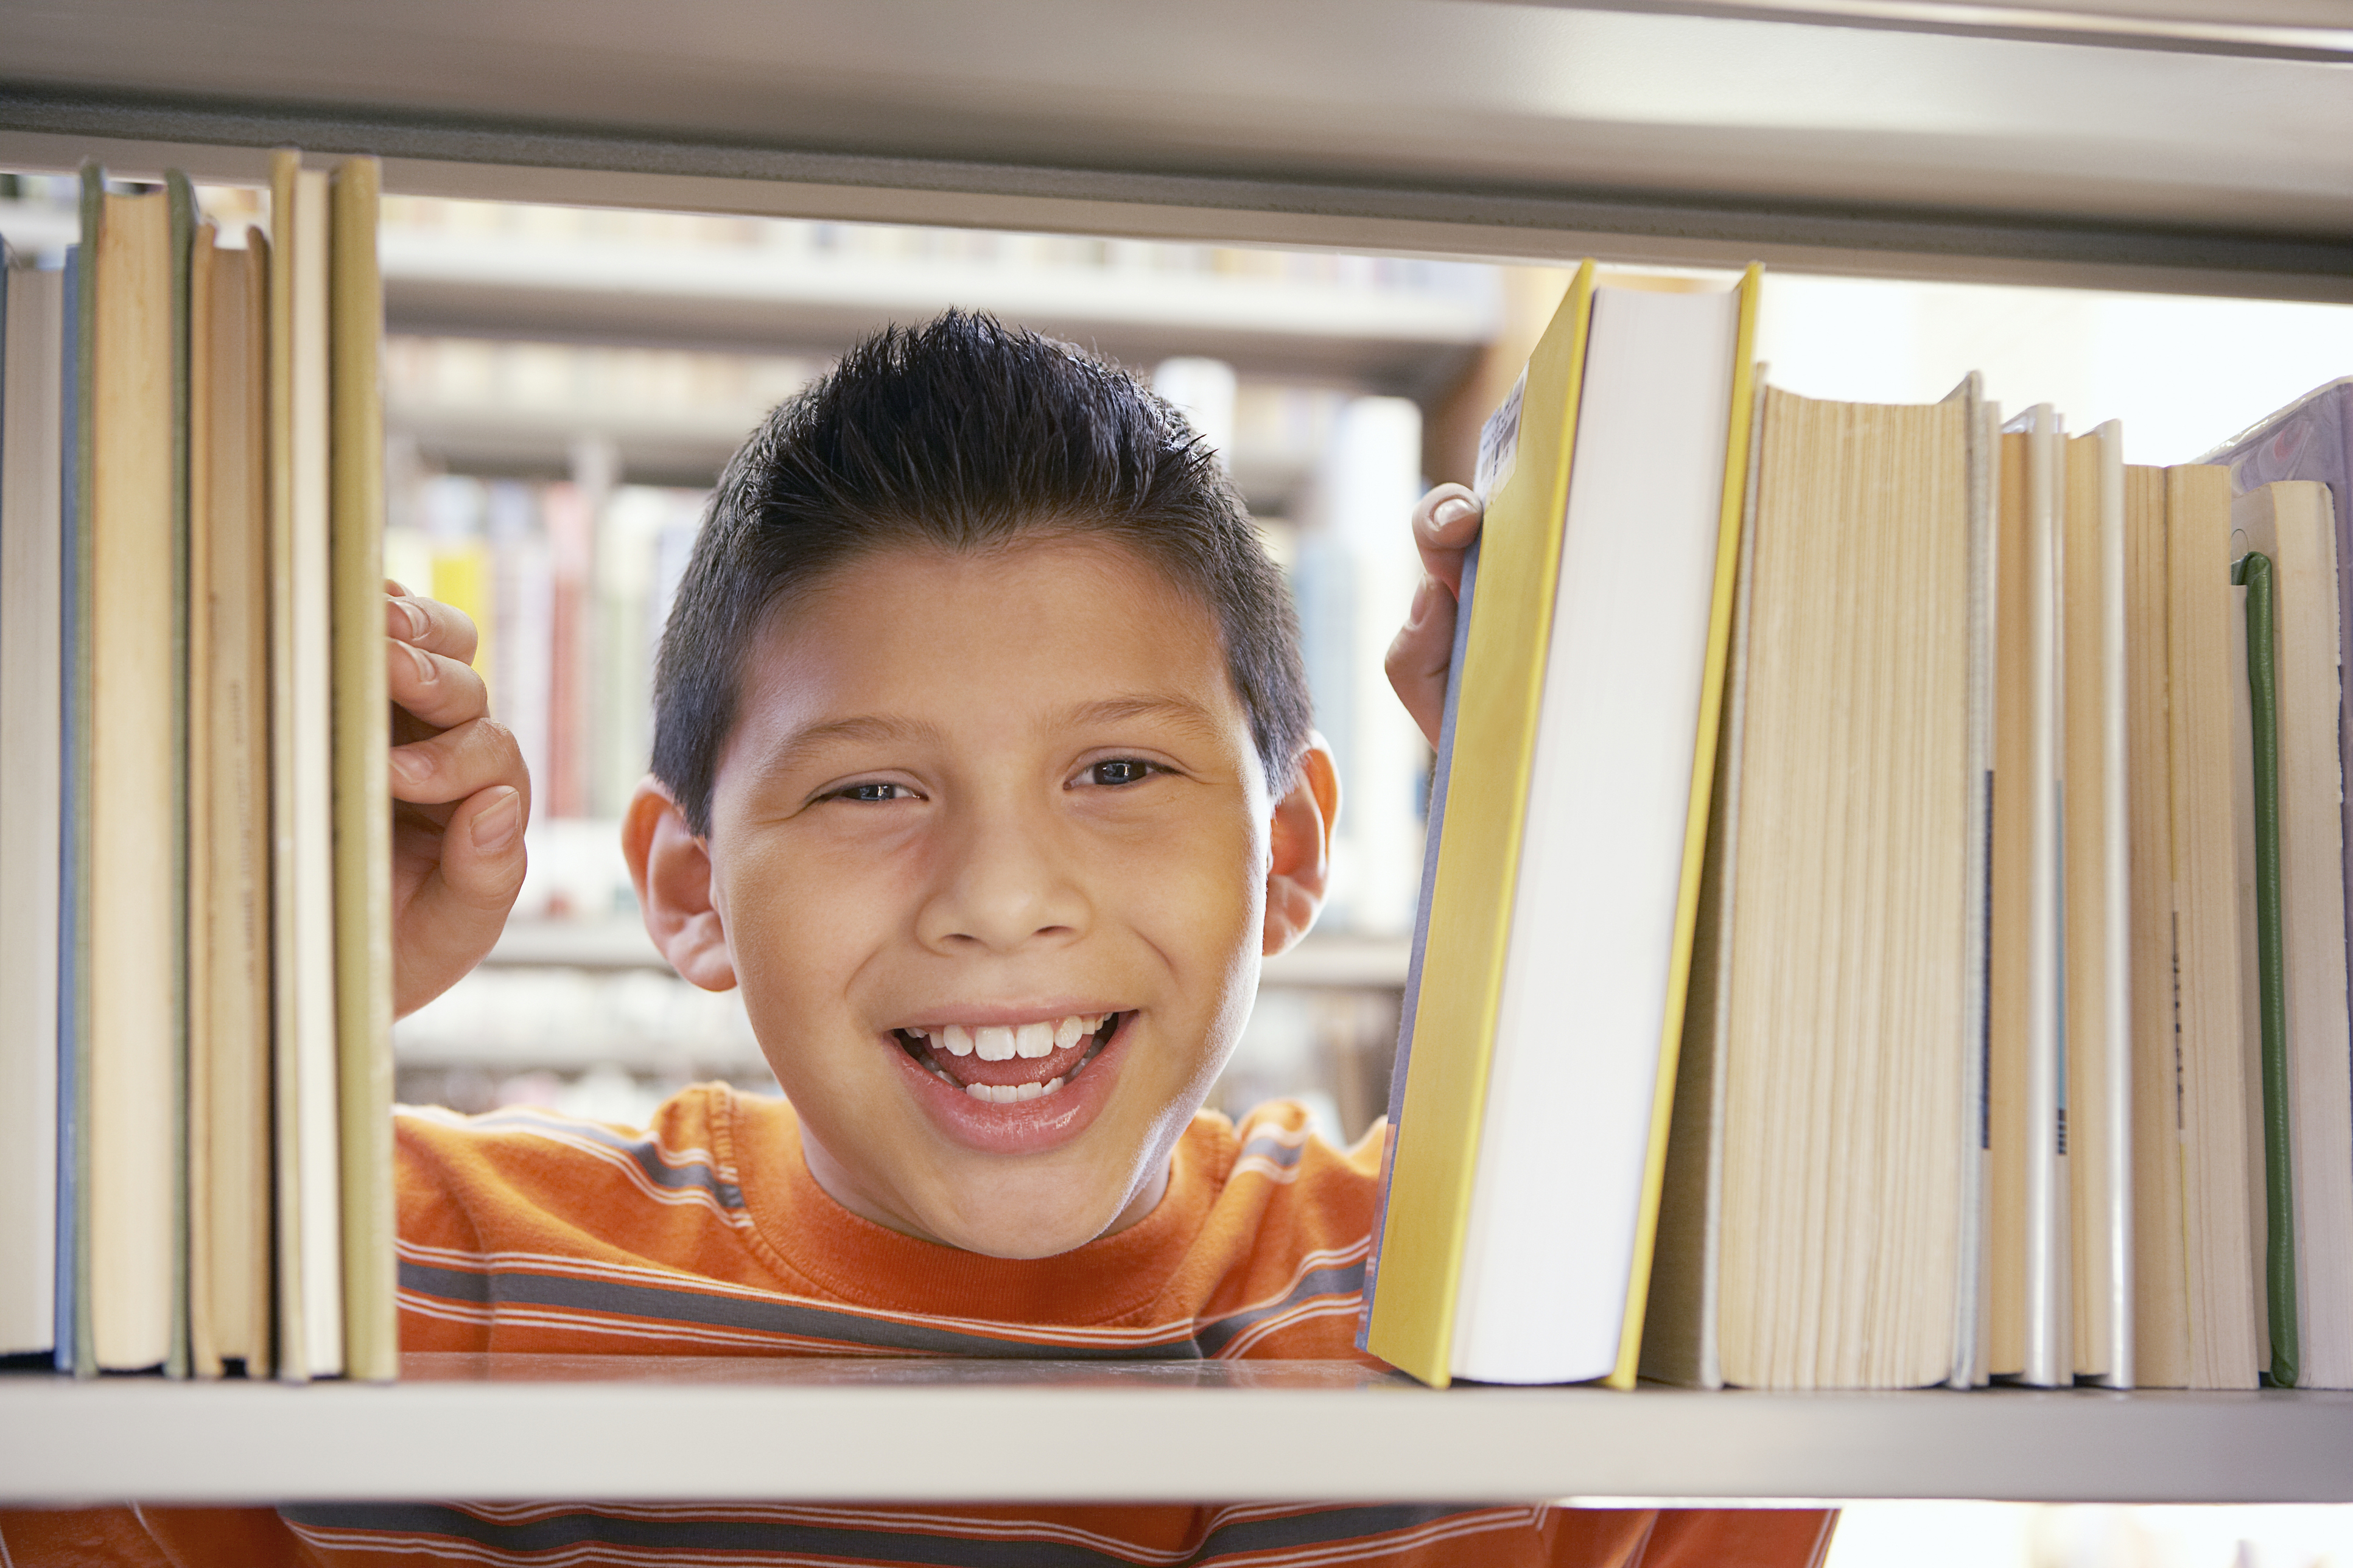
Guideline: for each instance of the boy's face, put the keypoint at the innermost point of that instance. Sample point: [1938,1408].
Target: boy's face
[989,853]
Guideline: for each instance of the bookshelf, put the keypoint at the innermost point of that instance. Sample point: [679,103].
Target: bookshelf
[838,1430]
[2200,155]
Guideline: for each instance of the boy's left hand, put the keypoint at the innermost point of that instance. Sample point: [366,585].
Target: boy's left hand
[1445,523]
[460,797]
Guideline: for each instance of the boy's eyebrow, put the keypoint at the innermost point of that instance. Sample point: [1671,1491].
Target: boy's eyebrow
[800,742]
[795,747]
[1181,710]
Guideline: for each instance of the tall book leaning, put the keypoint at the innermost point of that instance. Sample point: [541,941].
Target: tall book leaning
[1560,916]
[191,524]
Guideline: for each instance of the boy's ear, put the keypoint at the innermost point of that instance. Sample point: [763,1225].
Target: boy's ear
[671,868]
[1299,863]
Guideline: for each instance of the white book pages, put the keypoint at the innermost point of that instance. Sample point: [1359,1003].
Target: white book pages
[318,1172]
[1567,1130]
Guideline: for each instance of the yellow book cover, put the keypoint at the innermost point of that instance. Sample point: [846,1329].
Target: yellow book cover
[362,803]
[1412,1321]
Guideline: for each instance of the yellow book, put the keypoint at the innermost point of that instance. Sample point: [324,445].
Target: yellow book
[362,802]
[1567,870]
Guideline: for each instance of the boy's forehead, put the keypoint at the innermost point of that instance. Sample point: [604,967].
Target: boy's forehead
[1050,632]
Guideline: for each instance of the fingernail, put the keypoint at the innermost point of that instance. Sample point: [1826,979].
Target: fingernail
[402,619]
[426,672]
[1452,509]
[494,829]
[414,766]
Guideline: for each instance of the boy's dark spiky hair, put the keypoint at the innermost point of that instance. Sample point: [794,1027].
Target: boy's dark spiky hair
[964,435]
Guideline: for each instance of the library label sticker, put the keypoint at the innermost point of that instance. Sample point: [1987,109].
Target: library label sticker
[1499,443]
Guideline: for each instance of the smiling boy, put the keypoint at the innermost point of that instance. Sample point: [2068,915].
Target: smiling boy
[983,770]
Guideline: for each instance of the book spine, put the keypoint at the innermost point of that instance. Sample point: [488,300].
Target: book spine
[182,198]
[1970,1315]
[73,838]
[1439,772]
[2116,894]
[2253,572]
[2049,1360]
[362,807]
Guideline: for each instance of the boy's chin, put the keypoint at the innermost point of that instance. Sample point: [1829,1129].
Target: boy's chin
[1045,1224]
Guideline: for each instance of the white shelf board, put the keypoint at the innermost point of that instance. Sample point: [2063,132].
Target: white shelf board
[1538,131]
[1326,963]
[542,1427]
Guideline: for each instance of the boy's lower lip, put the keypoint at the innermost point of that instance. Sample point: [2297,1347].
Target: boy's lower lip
[1024,1126]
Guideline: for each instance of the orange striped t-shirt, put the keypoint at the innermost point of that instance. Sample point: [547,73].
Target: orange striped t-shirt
[526,1232]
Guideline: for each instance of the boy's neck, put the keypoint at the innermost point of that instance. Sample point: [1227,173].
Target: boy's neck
[837,1183]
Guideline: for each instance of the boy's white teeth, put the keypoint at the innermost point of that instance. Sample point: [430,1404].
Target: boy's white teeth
[1006,1093]
[1003,1042]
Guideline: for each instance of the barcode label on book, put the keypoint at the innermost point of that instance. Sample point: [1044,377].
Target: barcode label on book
[1499,443]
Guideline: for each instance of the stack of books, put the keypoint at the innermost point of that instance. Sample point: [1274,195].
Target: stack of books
[195,828]
[1888,924]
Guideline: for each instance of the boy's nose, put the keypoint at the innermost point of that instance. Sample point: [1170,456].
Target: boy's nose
[1001,888]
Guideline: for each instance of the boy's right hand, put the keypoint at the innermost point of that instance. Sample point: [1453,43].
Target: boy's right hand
[460,798]
[1445,523]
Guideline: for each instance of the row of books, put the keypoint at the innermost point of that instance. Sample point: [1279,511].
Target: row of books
[568,585]
[1888,924]
[858,245]
[195,977]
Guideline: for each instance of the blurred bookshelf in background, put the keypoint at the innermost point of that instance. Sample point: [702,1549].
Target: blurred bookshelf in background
[564,384]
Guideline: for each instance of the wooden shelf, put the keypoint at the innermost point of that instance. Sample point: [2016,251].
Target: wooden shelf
[844,1430]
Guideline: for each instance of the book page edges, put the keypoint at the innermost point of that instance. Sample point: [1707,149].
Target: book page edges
[1412,1322]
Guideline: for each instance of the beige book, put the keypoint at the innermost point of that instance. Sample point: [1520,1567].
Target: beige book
[2160,1265]
[362,800]
[2098,926]
[306,1100]
[2029,1326]
[1845,1180]
[2008,1007]
[2293,524]
[133,956]
[2219,1247]
[228,806]
[32,564]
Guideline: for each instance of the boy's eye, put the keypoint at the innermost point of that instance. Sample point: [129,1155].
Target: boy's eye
[1120,771]
[872,791]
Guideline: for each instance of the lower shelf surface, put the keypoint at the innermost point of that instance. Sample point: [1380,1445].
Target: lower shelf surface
[585,1429]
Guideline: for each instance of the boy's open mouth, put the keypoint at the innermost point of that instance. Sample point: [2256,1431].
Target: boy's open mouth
[1006,1062]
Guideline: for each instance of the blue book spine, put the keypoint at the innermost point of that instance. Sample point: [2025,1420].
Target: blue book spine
[70,1250]
[1440,772]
